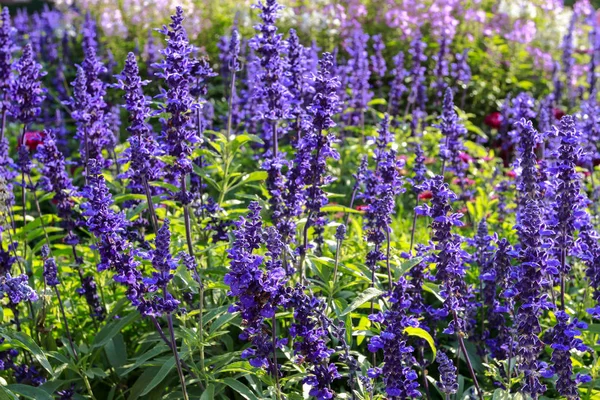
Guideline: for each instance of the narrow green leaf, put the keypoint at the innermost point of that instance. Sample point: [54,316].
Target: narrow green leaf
[239,387]
[423,334]
[6,394]
[111,329]
[361,299]
[27,343]
[162,373]
[336,208]
[30,392]
[209,393]
[408,265]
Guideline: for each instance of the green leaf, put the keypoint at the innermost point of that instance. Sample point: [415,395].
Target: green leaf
[239,387]
[162,373]
[24,341]
[116,351]
[336,208]
[120,198]
[407,265]
[6,394]
[30,392]
[150,354]
[423,334]
[111,329]
[209,393]
[361,299]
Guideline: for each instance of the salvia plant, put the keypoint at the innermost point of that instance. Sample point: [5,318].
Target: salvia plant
[359,200]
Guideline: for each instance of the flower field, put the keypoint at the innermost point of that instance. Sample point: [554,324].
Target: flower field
[359,200]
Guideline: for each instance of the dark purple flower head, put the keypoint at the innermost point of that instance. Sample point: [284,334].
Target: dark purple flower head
[151,54]
[298,84]
[178,137]
[162,261]
[259,290]
[310,333]
[448,383]
[453,132]
[88,105]
[528,181]
[569,201]
[448,256]
[381,186]
[17,289]
[441,69]
[270,91]
[397,87]
[234,51]
[461,71]
[143,147]
[109,227]
[399,377]
[27,92]
[377,61]
[358,73]
[564,339]
[89,290]
[54,175]
[497,296]
[50,268]
[6,50]
[418,95]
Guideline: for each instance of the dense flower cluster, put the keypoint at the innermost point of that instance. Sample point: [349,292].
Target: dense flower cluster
[399,377]
[177,136]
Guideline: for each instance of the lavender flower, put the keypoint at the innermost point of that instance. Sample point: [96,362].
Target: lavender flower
[177,136]
[109,227]
[417,97]
[497,295]
[449,257]
[441,69]
[528,180]
[309,331]
[381,188]
[453,132]
[54,175]
[448,383]
[6,49]
[16,289]
[460,69]
[151,54]
[358,77]
[397,87]
[530,280]
[564,339]
[299,87]
[164,264]
[27,91]
[568,197]
[89,290]
[271,92]
[399,377]
[143,148]
[378,64]
[259,291]
[50,268]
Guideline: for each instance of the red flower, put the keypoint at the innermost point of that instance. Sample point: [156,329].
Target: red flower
[362,207]
[493,120]
[32,139]
[558,113]
[425,195]
[465,157]
[511,174]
